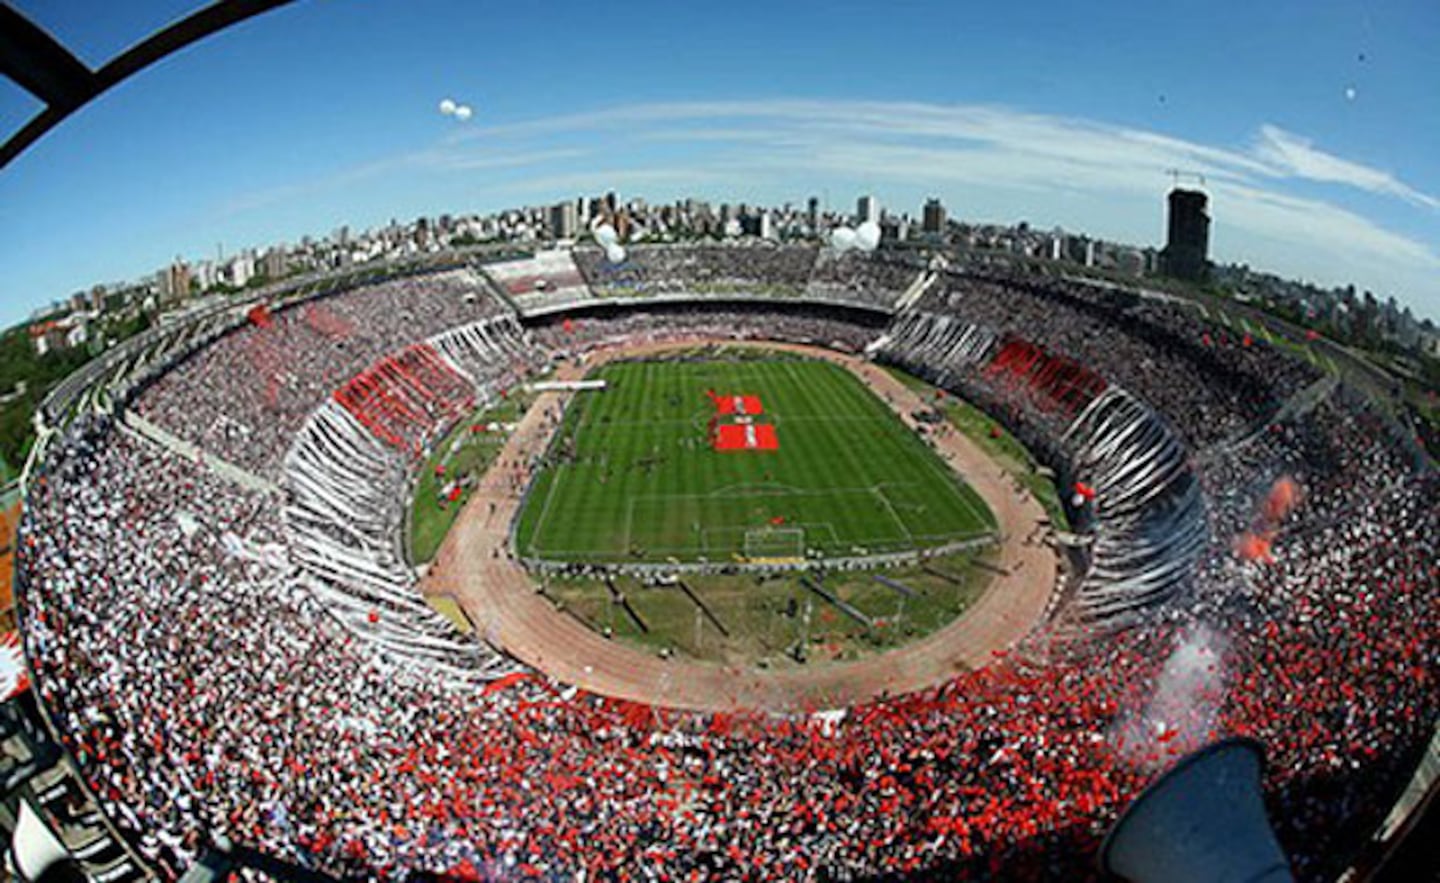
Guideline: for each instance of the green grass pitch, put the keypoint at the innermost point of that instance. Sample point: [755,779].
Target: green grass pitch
[631,475]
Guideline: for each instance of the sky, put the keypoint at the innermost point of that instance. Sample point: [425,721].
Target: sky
[1313,124]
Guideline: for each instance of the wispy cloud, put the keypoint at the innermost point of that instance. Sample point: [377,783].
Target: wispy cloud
[1292,155]
[1070,143]
[441,159]
[1279,201]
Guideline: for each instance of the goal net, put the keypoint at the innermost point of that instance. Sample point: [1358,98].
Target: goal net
[775,543]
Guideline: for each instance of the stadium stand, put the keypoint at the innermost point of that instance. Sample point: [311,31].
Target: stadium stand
[218,665]
[756,269]
[859,277]
[546,281]
[244,396]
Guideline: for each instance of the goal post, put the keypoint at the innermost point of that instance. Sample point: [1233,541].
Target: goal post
[775,543]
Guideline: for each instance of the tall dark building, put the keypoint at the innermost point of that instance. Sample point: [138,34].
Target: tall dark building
[933,218]
[1188,243]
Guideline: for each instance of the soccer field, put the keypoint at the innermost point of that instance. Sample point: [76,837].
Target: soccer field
[632,474]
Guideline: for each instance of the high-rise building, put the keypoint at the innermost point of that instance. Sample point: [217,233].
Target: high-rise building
[173,282]
[933,218]
[866,209]
[812,214]
[274,262]
[758,224]
[240,271]
[1186,254]
[563,221]
[894,229]
[206,274]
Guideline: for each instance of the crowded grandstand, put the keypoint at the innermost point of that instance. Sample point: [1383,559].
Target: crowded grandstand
[224,629]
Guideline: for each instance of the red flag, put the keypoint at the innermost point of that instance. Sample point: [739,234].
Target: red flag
[506,682]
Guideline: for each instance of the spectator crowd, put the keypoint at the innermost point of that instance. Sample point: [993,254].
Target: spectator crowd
[203,691]
[244,397]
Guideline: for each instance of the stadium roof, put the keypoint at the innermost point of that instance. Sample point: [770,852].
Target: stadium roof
[47,69]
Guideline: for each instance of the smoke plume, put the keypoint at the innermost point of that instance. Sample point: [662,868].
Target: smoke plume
[1181,713]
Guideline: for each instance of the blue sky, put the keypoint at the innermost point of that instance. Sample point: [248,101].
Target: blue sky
[324,112]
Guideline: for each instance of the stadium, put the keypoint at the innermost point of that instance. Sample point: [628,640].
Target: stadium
[224,625]
[610,540]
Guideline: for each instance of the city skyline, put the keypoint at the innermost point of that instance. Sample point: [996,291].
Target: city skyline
[1307,177]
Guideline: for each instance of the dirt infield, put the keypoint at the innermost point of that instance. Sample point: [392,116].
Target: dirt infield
[474,568]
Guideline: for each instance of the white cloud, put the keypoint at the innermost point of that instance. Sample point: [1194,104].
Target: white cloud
[1101,178]
[1292,155]
[438,159]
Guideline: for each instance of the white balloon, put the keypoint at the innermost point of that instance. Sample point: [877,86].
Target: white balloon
[463,112]
[842,238]
[447,106]
[605,235]
[615,252]
[867,236]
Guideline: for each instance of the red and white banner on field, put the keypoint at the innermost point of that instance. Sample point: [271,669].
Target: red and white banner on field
[741,432]
[746,437]
[742,406]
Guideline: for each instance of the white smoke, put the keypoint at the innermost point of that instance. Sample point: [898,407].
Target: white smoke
[1181,714]
[605,234]
[866,237]
[451,108]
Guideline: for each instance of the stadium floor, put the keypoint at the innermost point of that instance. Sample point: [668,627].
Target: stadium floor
[499,596]
[636,472]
